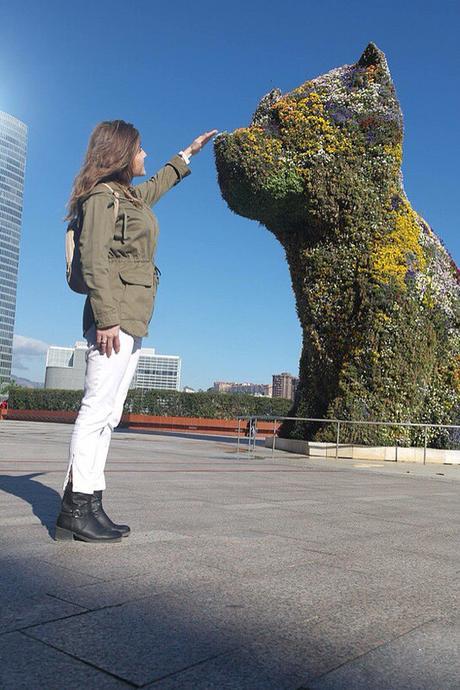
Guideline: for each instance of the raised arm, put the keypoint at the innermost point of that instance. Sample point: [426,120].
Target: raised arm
[160,183]
[173,172]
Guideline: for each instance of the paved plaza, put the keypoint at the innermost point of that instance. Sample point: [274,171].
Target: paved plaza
[241,572]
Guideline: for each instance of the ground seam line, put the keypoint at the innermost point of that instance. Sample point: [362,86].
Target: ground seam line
[82,661]
[373,649]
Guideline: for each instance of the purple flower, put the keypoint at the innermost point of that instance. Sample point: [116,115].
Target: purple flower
[396,202]
[339,113]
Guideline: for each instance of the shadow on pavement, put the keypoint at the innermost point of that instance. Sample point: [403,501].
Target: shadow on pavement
[45,502]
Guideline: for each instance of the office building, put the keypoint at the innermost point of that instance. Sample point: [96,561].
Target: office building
[284,386]
[13,142]
[65,366]
[65,369]
[157,371]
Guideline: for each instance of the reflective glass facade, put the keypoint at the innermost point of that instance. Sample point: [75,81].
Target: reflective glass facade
[13,141]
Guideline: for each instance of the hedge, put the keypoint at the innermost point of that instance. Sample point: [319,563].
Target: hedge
[157,402]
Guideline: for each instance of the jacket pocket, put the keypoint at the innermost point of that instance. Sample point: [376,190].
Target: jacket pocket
[138,292]
[137,275]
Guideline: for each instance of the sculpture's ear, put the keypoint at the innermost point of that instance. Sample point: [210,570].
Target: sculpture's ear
[372,56]
[387,122]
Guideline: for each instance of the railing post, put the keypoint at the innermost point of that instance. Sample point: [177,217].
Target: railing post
[252,431]
[424,446]
[337,441]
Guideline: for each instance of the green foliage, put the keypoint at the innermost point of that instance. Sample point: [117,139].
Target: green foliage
[377,293]
[158,403]
[43,399]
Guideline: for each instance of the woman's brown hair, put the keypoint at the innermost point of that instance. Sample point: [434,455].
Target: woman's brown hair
[111,150]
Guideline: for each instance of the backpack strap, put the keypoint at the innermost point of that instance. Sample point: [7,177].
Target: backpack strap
[116,202]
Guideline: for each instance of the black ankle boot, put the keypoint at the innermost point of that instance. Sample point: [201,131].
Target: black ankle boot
[76,520]
[102,517]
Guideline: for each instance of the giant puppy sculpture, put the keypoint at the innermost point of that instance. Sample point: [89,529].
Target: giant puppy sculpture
[377,294]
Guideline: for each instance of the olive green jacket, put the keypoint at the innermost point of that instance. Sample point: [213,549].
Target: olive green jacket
[116,257]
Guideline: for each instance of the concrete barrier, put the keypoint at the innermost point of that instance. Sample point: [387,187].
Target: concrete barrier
[357,452]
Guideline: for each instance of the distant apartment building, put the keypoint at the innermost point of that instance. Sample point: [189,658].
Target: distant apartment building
[13,143]
[65,369]
[249,388]
[284,385]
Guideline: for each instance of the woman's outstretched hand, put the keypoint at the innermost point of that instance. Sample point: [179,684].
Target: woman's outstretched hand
[199,142]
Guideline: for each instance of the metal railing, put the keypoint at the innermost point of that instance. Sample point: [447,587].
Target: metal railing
[253,419]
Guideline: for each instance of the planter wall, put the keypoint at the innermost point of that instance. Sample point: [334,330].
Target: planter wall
[63,416]
[356,452]
[224,427]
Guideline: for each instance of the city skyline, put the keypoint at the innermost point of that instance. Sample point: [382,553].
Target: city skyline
[225,300]
[65,368]
[42,349]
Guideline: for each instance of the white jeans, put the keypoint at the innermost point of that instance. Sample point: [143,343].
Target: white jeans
[107,381]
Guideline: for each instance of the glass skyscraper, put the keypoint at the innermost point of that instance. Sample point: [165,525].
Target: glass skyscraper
[13,141]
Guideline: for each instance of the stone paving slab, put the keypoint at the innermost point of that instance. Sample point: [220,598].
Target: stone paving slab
[247,668]
[144,640]
[180,578]
[23,577]
[25,611]
[424,658]
[27,664]
[271,571]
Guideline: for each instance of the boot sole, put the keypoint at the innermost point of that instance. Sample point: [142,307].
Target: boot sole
[62,534]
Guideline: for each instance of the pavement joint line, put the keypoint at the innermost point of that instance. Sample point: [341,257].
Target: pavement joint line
[24,630]
[197,663]
[63,618]
[126,601]
[67,601]
[373,649]
[128,683]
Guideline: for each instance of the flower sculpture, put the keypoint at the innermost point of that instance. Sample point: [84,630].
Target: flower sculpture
[377,293]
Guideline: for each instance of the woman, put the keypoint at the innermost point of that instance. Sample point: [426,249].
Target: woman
[117,242]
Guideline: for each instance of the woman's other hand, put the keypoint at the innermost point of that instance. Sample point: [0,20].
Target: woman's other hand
[108,339]
[199,142]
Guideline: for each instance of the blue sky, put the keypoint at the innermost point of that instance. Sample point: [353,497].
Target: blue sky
[225,303]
